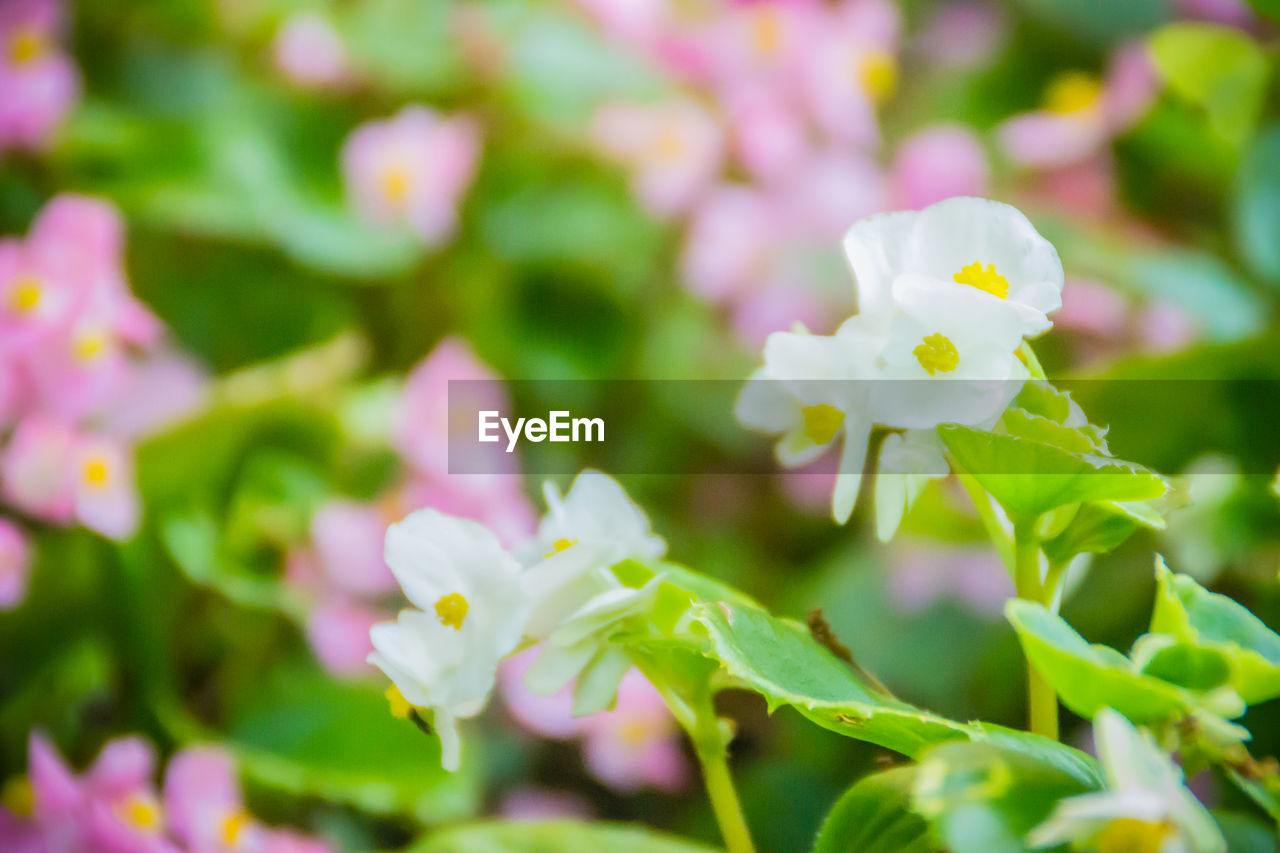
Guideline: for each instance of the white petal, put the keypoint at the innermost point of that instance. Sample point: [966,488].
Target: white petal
[891,504]
[764,404]
[597,686]
[849,477]
[878,249]
[556,666]
[446,728]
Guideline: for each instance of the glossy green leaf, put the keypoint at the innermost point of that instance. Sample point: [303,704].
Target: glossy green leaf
[1217,68]
[1255,212]
[1029,478]
[875,816]
[1186,609]
[1096,529]
[554,837]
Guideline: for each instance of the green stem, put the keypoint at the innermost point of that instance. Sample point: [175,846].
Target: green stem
[1042,701]
[987,514]
[713,755]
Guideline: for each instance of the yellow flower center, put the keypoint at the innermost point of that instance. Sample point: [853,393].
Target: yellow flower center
[395,185]
[400,706]
[668,145]
[878,74]
[1129,835]
[560,545]
[26,46]
[984,278]
[635,732]
[233,825]
[821,422]
[88,346]
[452,609]
[766,32]
[1072,92]
[936,354]
[17,796]
[142,813]
[95,472]
[25,295]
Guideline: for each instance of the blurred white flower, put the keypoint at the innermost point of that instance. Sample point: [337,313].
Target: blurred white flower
[1145,809]
[908,461]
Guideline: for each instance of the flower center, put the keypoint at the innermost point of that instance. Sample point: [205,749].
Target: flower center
[1129,835]
[878,74]
[668,145]
[936,353]
[984,278]
[821,422]
[1072,92]
[233,826]
[452,609]
[141,812]
[560,545]
[88,346]
[766,32]
[25,295]
[395,185]
[400,706]
[95,472]
[18,797]
[635,732]
[26,46]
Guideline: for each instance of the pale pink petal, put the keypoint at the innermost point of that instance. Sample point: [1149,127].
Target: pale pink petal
[938,163]
[15,564]
[338,631]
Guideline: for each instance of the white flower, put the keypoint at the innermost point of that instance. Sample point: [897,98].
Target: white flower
[577,600]
[908,461]
[984,248]
[470,614]
[1145,809]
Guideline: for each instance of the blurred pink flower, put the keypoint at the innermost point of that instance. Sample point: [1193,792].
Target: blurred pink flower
[496,500]
[1163,328]
[637,744]
[775,307]
[1081,113]
[155,393]
[549,716]
[939,162]
[770,136]
[759,43]
[347,540]
[310,52]
[673,150]
[338,632]
[963,34]
[636,21]
[1235,13]
[104,496]
[1090,306]
[35,468]
[850,67]
[922,573]
[206,811]
[412,169]
[728,243]
[542,804]
[832,191]
[15,564]
[39,81]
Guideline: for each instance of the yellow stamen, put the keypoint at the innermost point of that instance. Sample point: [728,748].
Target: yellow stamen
[452,609]
[395,185]
[878,74]
[88,346]
[1129,835]
[635,732]
[400,706]
[936,354]
[141,812]
[1072,92]
[984,278]
[17,796]
[25,295]
[27,45]
[233,825]
[95,471]
[766,32]
[560,545]
[668,145]
[821,422]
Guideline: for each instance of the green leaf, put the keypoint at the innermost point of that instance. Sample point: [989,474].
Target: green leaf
[1256,215]
[1188,665]
[1088,677]
[301,731]
[1096,529]
[1189,611]
[554,837]
[1214,67]
[1029,478]
[778,659]
[1101,23]
[1023,424]
[1270,8]
[875,816]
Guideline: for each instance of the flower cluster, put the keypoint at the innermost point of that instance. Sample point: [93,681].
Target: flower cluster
[115,806]
[947,297]
[39,81]
[784,95]
[83,369]
[475,602]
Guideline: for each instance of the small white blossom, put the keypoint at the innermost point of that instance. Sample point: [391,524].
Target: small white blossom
[469,613]
[1145,809]
[908,461]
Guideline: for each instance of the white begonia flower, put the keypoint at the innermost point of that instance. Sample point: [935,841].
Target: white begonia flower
[577,600]
[908,461]
[814,390]
[987,248]
[1145,809]
[470,613]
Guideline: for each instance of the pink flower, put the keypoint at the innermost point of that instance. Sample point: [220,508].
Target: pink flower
[103,491]
[729,243]
[770,136]
[1081,113]
[976,577]
[15,564]
[776,307]
[673,150]
[347,538]
[1163,328]
[35,469]
[542,804]
[156,392]
[1090,306]
[850,68]
[496,500]
[548,716]
[338,632]
[1235,13]
[637,744]
[963,34]
[310,52]
[412,169]
[937,163]
[832,191]
[760,43]
[40,83]
[636,21]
